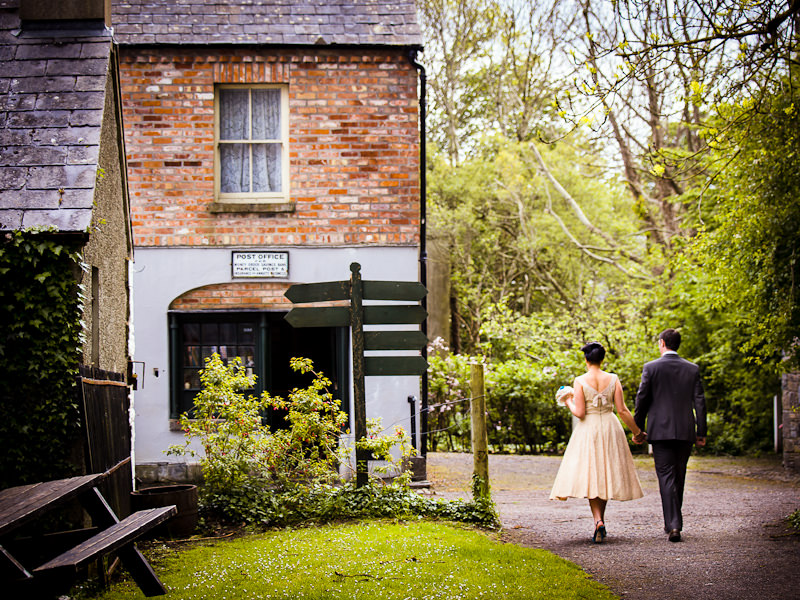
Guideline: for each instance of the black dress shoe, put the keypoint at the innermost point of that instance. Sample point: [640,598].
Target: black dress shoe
[674,536]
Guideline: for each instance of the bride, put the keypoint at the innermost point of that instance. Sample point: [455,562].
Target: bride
[597,462]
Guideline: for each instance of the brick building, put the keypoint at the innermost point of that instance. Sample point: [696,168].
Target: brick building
[268,143]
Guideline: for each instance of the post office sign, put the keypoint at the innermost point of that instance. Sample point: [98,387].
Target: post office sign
[260,264]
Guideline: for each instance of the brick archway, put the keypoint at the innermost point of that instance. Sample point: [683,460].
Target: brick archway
[234,295]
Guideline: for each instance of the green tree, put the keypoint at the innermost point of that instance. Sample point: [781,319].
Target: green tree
[751,224]
[516,235]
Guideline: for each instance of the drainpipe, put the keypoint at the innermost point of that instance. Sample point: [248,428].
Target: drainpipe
[423,253]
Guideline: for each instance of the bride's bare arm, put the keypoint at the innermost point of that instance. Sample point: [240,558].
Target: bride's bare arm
[622,410]
[577,404]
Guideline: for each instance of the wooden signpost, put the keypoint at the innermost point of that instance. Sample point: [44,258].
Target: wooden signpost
[356,316]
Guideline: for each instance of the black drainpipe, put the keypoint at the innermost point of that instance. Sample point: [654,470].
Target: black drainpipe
[423,252]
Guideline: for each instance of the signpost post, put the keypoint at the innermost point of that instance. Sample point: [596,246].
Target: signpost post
[356,316]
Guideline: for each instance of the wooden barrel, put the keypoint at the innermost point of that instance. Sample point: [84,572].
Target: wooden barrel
[183,496]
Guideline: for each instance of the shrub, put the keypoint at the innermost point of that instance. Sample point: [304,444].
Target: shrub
[522,414]
[794,520]
[40,348]
[239,450]
[256,477]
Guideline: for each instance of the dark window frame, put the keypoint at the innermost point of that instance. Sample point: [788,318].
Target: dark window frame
[334,347]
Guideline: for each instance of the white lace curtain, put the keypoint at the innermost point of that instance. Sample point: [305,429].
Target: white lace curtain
[250,136]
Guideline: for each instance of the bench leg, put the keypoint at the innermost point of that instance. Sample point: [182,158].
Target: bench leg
[141,571]
[136,564]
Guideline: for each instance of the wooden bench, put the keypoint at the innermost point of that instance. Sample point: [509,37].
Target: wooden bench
[118,537]
[24,504]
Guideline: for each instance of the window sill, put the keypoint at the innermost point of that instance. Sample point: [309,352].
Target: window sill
[251,207]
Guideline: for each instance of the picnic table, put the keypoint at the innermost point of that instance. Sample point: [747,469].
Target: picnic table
[23,505]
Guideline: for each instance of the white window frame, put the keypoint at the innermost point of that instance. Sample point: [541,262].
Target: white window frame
[253,198]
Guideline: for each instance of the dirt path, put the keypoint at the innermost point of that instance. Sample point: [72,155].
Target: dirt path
[735,545]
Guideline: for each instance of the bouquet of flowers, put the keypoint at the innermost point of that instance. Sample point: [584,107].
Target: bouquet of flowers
[563,394]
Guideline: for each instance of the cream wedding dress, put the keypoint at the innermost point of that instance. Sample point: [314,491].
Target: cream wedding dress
[597,462]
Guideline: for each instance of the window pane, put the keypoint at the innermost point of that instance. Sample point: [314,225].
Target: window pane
[234,168]
[191,379]
[227,333]
[233,115]
[266,114]
[191,357]
[267,167]
[247,354]
[208,351]
[191,333]
[247,333]
[210,333]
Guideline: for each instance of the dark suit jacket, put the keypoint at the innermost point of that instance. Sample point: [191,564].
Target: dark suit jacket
[671,400]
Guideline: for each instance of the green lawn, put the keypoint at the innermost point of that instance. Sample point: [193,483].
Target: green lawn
[370,559]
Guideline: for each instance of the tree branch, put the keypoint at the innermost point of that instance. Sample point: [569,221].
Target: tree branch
[577,209]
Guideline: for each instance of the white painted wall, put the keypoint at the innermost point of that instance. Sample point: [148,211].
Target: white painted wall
[162,274]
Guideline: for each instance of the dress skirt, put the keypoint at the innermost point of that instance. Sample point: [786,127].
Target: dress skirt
[597,462]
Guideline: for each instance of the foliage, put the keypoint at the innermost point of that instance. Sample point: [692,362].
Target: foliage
[667,197]
[749,241]
[522,414]
[40,348]
[381,447]
[526,360]
[746,45]
[514,238]
[263,478]
[448,392]
[240,453]
[794,520]
[366,560]
[261,506]
[309,449]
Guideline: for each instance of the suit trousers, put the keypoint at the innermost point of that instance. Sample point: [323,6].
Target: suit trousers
[671,458]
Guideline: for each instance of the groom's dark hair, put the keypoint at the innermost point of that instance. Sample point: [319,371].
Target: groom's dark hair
[672,339]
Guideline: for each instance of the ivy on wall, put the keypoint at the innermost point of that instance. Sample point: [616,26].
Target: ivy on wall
[40,349]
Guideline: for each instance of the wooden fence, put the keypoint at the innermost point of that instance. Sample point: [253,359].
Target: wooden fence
[105,405]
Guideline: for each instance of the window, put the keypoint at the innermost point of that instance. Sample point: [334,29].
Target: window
[252,144]
[265,342]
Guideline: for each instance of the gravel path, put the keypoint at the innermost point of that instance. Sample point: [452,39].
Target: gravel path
[736,544]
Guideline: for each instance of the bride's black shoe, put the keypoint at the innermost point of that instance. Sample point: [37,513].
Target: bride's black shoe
[599,532]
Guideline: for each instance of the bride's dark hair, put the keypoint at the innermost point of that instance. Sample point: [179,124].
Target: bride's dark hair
[594,353]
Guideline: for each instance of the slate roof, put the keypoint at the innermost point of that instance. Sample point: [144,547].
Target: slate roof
[266,22]
[52,91]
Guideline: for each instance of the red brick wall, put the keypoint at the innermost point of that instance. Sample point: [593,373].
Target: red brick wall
[354,147]
[256,295]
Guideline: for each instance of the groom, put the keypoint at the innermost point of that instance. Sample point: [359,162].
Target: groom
[671,400]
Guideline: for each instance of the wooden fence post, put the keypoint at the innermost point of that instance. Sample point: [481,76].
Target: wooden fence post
[480,440]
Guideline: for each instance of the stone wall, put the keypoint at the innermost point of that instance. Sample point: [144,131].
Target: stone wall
[790,386]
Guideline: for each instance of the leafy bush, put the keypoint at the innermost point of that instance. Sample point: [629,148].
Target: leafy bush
[265,507]
[448,396]
[794,520]
[263,478]
[40,345]
[522,415]
[240,451]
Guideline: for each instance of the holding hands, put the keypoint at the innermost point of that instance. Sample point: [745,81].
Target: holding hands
[640,437]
